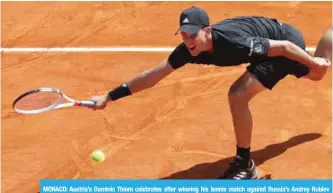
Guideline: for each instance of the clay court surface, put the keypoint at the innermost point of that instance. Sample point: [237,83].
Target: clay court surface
[181,128]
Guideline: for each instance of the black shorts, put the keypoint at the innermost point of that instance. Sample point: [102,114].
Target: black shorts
[271,71]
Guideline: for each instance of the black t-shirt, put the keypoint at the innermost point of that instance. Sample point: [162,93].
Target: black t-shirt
[235,41]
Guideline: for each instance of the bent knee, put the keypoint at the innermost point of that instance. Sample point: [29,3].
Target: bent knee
[316,76]
[237,95]
[243,89]
[236,91]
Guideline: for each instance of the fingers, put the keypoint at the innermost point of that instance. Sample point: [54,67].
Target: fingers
[322,62]
[100,102]
[328,62]
[99,107]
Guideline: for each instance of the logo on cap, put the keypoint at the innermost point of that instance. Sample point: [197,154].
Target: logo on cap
[186,20]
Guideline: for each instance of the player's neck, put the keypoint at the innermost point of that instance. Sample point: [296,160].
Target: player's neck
[209,44]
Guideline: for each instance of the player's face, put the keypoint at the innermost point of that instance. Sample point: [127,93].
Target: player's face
[195,43]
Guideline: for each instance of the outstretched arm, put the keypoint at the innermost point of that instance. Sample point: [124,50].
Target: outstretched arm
[140,82]
[149,78]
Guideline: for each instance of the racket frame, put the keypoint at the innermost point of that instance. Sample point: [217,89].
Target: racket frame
[57,105]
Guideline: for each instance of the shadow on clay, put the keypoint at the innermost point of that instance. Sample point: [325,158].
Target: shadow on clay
[214,169]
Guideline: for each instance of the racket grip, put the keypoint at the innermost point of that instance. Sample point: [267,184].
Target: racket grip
[87,103]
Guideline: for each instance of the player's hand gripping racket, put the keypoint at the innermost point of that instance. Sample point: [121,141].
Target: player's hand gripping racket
[45,99]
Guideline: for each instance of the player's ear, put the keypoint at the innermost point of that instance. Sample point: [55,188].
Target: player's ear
[208,30]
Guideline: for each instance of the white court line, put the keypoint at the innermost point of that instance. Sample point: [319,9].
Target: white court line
[100,49]
[171,0]
[90,49]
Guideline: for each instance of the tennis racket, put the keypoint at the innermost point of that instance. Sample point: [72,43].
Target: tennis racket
[45,99]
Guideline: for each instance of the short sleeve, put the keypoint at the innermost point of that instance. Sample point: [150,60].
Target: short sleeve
[258,46]
[179,56]
[251,47]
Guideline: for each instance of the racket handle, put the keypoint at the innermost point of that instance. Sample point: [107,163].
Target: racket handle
[87,103]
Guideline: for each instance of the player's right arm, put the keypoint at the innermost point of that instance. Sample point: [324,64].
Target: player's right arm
[150,77]
[140,82]
[146,79]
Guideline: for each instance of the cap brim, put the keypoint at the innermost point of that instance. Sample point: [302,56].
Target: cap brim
[190,28]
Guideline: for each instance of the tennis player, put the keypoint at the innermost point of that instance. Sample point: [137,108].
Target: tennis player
[272,49]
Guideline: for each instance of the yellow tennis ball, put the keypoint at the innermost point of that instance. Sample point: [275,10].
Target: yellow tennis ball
[98,156]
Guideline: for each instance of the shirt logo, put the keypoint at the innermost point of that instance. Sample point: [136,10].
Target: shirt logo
[258,49]
[251,48]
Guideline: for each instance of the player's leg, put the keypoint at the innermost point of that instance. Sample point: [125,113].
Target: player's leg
[259,77]
[324,46]
[239,95]
[323,50]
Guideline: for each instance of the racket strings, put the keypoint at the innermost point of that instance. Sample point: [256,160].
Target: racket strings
[38,101]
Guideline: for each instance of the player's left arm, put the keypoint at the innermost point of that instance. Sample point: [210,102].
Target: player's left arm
[261,48]
[292,51]
[317,65]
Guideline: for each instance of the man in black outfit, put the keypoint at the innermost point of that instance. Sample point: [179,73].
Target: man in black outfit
[273,50]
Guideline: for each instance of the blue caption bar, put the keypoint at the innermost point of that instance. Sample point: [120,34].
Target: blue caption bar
[185,186]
